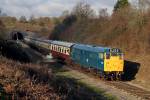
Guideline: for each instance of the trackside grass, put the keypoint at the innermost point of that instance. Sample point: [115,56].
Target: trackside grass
[77,83]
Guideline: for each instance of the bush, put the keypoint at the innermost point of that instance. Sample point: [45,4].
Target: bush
[25,81]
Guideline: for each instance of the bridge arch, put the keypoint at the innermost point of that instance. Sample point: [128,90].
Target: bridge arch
[16,35]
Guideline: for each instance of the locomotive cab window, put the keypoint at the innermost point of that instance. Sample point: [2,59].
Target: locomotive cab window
[121,55]
[114,54]
[107,55]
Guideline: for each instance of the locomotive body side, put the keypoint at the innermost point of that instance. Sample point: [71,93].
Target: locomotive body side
[88,56]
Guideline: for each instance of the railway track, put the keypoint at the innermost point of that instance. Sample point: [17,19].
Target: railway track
[139,92]
[133,90]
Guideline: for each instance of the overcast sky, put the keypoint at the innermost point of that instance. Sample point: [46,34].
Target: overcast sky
[48,7]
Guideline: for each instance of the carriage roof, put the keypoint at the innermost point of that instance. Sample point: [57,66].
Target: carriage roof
[66,44]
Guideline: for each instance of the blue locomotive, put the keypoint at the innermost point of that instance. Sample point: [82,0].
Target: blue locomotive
[107,61]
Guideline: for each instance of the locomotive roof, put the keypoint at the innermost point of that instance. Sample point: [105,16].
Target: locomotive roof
[66,44]
[92,48]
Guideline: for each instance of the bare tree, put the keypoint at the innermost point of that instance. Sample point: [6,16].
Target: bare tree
[0,11]
[65,14]
[144,5]
[23,19]
[83,10]
[103,13]
[32,19]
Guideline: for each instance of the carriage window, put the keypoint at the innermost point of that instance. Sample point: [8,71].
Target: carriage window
[65,51]
[68,51]
[50,47]
[54,47]
[57,48]
[61,50]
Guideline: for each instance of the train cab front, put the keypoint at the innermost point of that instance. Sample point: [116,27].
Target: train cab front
[113,64]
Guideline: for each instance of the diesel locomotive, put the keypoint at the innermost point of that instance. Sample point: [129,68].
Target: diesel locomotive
[108,62]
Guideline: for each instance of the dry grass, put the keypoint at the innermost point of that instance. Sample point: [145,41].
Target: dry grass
[26,81]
